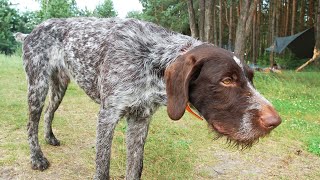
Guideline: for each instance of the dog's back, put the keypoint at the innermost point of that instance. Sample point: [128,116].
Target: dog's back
[72,46]
[80,46]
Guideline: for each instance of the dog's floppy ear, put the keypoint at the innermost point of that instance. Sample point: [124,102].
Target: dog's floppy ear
[177,76]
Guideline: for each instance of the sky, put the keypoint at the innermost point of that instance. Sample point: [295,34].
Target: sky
[121,6]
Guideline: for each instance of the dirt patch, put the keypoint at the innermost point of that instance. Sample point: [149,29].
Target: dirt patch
[266,160]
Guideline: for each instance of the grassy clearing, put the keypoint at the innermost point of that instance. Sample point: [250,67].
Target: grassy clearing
[297,97]
[183,149]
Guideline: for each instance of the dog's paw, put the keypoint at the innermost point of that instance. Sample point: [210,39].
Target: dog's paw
[52,141]
[39,163]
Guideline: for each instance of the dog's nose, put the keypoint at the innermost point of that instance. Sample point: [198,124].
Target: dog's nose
[269,117]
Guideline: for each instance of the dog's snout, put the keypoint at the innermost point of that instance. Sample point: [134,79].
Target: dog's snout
[269,117]
[270,120]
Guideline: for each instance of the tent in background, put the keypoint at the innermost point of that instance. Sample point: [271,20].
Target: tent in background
[300,44]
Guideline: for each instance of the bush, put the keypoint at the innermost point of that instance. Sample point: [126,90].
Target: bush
[285,60]
[288,61]
[8,23]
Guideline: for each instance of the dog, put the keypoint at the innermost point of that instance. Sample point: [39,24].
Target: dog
[131,67]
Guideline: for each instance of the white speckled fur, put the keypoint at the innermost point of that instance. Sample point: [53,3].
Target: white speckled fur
[237,60]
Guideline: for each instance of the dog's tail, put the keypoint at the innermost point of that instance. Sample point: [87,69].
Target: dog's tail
[20,37]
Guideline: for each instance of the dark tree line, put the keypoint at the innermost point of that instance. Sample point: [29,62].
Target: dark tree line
[246,27]
[249,26]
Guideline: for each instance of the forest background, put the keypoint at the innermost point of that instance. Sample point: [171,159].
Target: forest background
[246,27]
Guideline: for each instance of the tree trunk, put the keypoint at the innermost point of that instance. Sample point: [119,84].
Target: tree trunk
[317,26]
[282,23]
[311,13]
[244,25]
[258,29]
[192,20]
[294,13]
[277,20]
[201,19]
[270,20]
[316,51]
[230,27]
[209,36]
[273,30]
[220,24]
[239,8]
[215,31]
[254,39]
[287,18]
[302,13]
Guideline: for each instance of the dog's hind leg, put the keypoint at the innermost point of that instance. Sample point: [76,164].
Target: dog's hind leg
[38,85]
[59,81]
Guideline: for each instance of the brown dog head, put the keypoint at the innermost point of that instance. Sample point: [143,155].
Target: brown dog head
[220,87]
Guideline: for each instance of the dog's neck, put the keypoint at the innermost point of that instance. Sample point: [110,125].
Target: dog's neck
[172,47]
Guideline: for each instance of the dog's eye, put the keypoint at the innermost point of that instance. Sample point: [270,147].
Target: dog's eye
[227,81]
[248,94]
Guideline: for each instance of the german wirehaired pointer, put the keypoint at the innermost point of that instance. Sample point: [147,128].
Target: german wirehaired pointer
[130,68]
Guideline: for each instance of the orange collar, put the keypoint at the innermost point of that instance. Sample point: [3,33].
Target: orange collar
[188,108]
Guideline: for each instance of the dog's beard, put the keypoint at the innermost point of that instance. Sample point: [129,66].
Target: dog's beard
[237,140]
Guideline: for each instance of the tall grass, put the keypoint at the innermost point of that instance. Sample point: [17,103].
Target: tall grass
[174,150]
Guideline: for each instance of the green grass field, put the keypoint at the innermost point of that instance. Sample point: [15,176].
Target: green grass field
[182,149]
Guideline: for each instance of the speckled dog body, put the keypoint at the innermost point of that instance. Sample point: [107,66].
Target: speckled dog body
[130,68]
[119,67]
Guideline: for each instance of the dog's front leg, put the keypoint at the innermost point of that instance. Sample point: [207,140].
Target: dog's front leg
[107,121]
[136,136]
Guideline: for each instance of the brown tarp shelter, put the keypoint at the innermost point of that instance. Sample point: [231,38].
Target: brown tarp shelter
[300,44]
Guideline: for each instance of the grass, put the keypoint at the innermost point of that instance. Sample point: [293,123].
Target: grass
[182,149]
[296,96]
